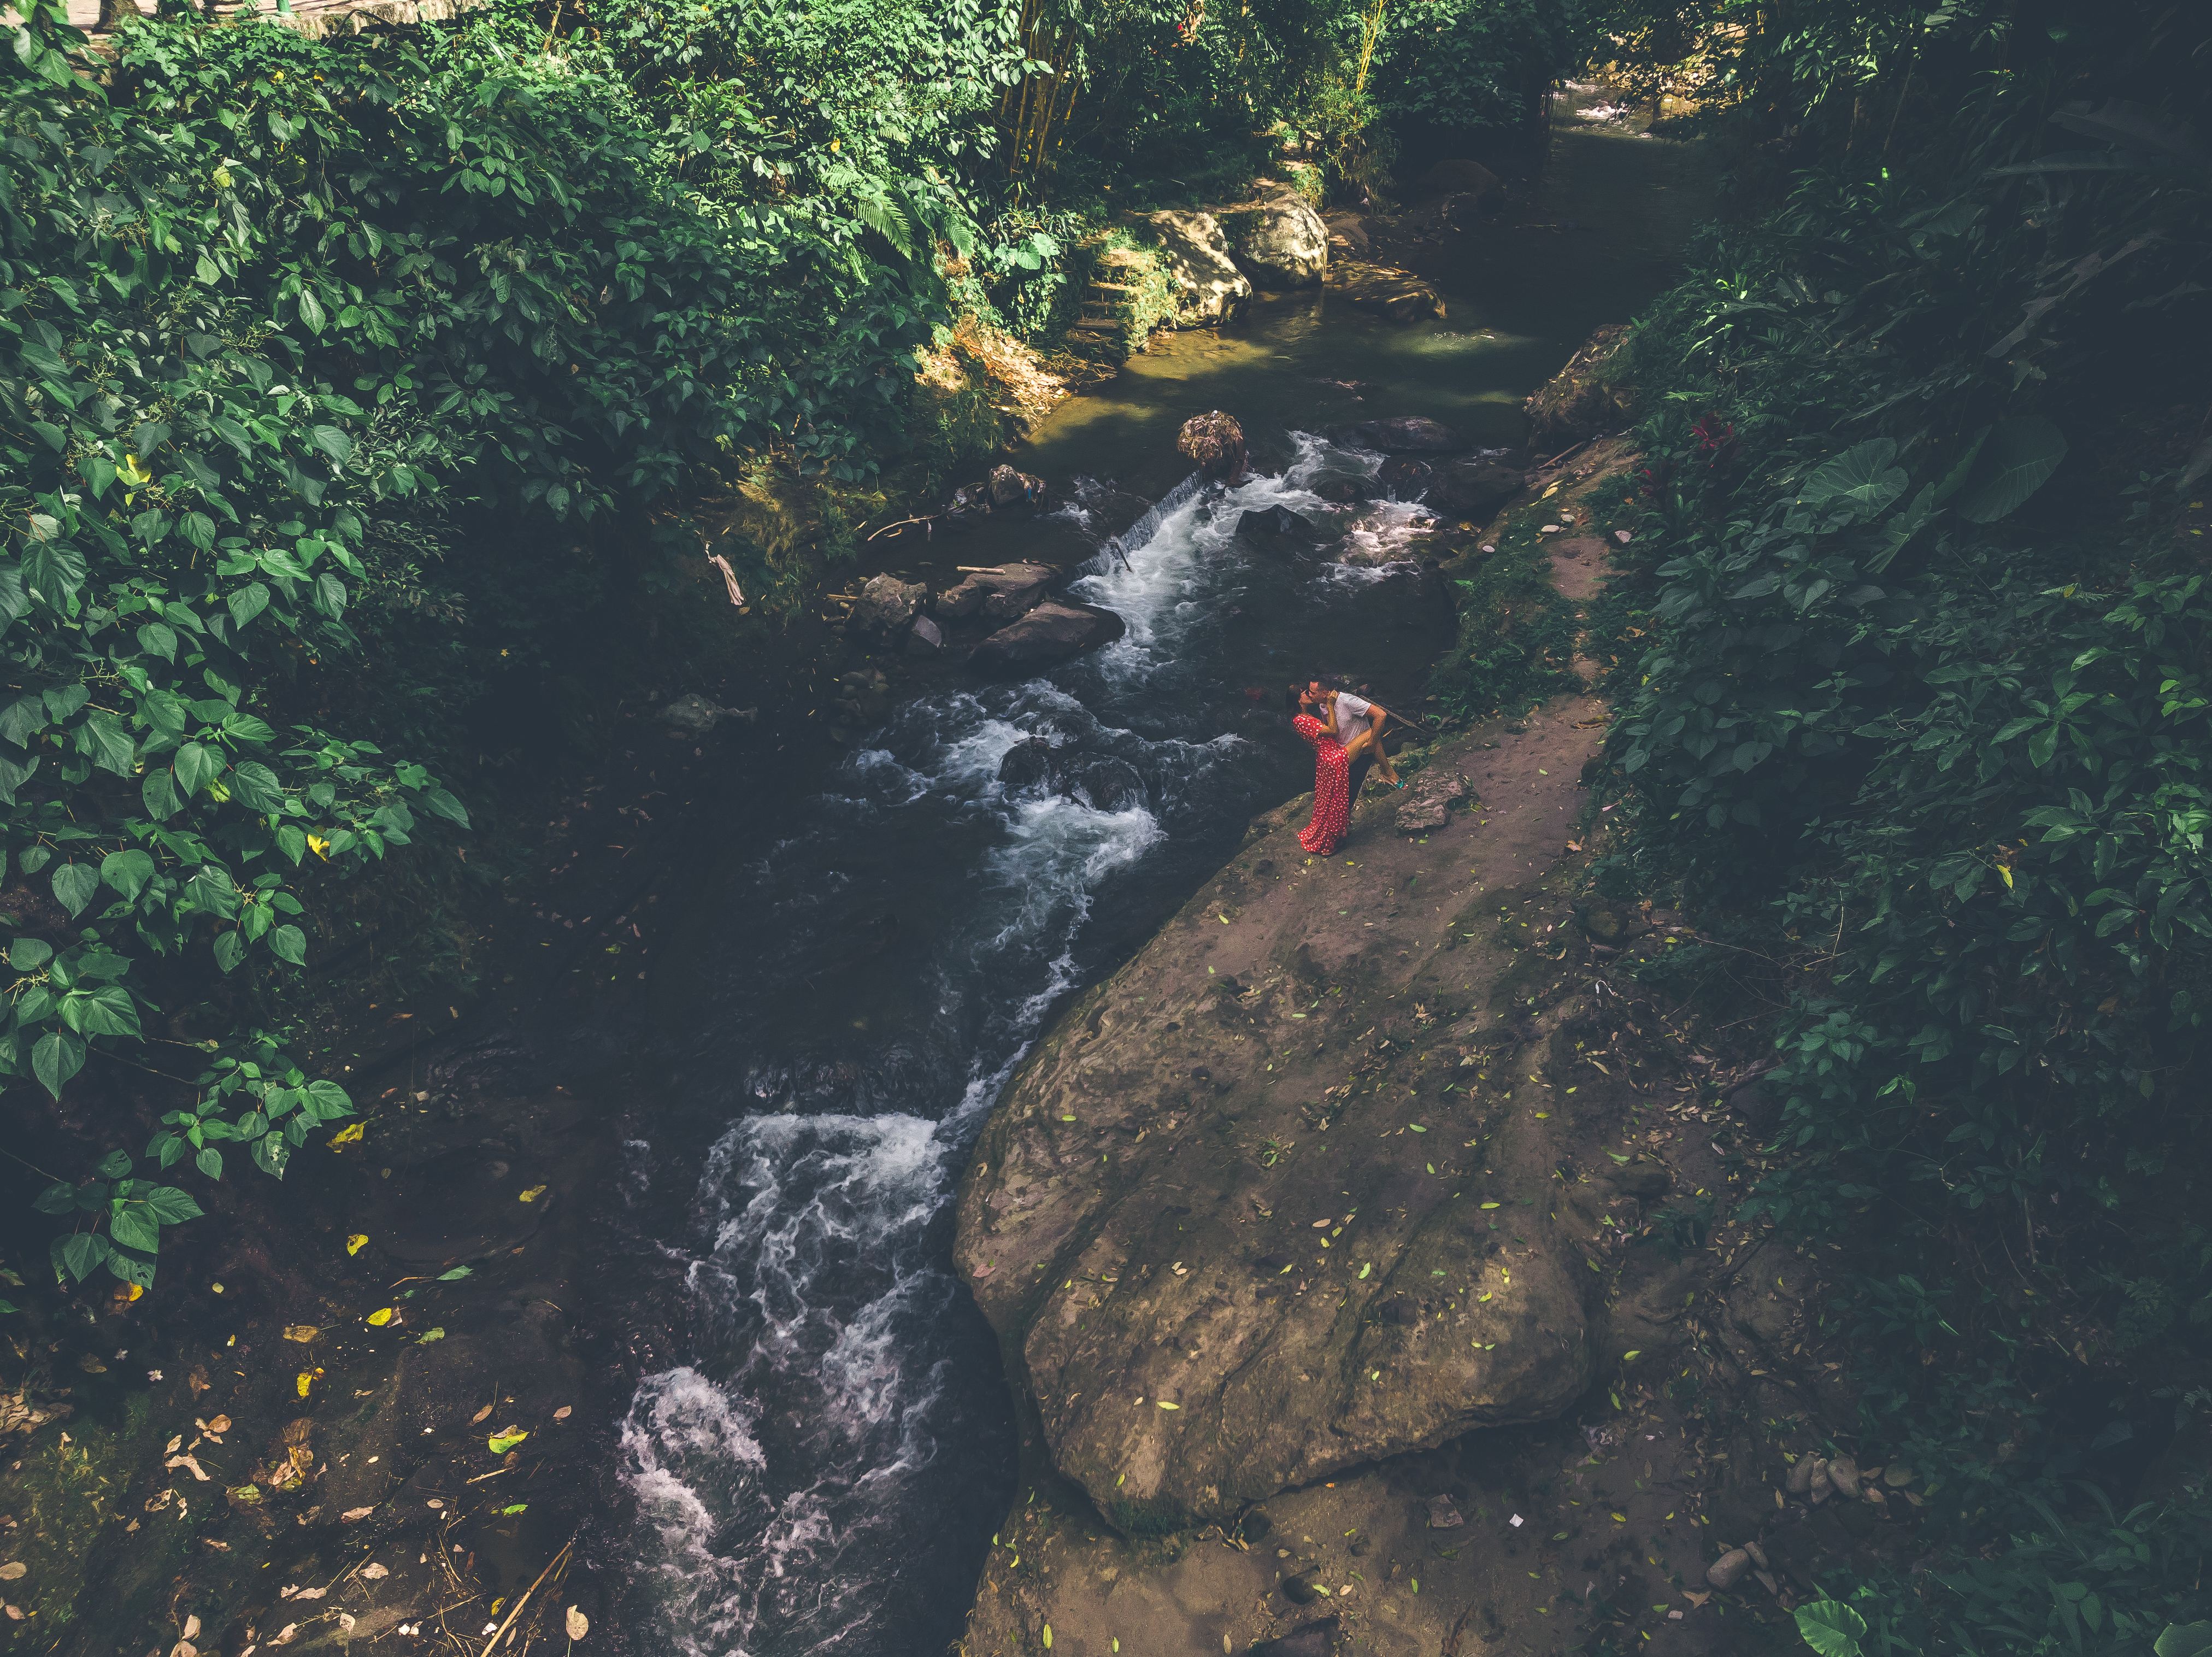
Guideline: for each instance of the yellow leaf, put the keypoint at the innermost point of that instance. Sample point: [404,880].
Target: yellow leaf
[380,1317]
[134,1290]
[2006,876]
[303,1381]
[348,1136]
[1047,1636]
[355,1243]
[534,1194]
[501,1443]
[319,846]
[1165,1405]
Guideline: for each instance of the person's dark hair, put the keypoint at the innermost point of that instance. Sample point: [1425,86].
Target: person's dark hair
[1329,681]
[1293,699]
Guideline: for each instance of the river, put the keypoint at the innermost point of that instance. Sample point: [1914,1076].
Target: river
[870,936]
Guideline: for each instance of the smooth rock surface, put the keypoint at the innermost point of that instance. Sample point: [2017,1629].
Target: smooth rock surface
[1455,177]
[1281,243]
[1002,593]
[1050,632]
[1398,295]
[1128,1231]
[1209,288]
[1406,434]
[1429,802]
[1474,487]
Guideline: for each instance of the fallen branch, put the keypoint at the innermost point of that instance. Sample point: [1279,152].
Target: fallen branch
[525,1600]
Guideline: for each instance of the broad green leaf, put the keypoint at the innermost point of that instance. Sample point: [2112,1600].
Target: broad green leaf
[157,639]
[1831,1628]
[1861,478]
[58,1056]
[2017,459]
[171,1206]
[74,886]
[288,943]
[247,602]
[79,1256]
[127,871]
[133,1225]
[195,765]
[29,954]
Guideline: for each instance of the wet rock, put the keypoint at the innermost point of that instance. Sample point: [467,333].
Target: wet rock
[1758,1556]
[1215,442]
[1052,632]
[1209,288]
[1429,802]
[1272,523]
[887,606]
[1279,244]
[1456,178]
[1009,487]
[1398,295]
[1314,1639]
[1444,214]
[1347,234]
[1474,488]
[1000,593]
[1800,1474]
[1301,1590]
[695,716]
[1822,1486]
[1442,1514]
[1728,1570]
[1104,784]
[925,637]
[1757,1104]
[1843,1474]
[1580,401]
[1029,766]
[1604,923]
[1643,1177]
[1406,434]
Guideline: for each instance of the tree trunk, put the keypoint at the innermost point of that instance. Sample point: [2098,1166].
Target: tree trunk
[113,13]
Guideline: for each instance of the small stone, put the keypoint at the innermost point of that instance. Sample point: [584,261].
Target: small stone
[1897,1475]
[1728,1570]
[1822,1487]
[1443,1515]
[1758,1556]
[14,1571]
[925,637]
[1301,1590]
[1800,1474]
[1843,1474]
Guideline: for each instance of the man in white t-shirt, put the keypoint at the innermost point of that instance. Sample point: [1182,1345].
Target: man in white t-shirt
[1354,715]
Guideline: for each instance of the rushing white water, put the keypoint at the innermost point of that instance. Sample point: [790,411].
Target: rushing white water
[788,1472]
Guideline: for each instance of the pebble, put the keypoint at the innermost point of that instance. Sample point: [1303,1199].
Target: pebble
[1843,1474]
[1823,1487]
[1728,1570]
[1443,1515]
[1800,1474]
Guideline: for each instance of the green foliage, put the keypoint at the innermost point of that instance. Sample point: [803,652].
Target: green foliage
[1929,653]
[1455,69]
[276,314]
[1516,634]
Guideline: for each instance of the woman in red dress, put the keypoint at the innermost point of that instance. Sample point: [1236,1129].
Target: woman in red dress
[1332,777]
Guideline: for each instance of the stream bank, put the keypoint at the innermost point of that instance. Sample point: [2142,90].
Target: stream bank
[761,986]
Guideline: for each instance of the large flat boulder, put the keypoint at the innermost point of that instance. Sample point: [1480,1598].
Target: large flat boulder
[1209,288]
[1051,632]
[1233,1233]
[1406,434]
[1000,593]
[1281,243]
[886,606]
[1398,295]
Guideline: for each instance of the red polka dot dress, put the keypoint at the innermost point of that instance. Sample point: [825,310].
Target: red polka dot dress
[1332,791]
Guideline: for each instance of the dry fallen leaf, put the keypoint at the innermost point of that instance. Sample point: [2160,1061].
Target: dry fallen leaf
[220,1424]
[14,1571]
[284,1636]
[192,1628]
[374,1572]
[564,1412]
[190,1464]
[183,1648]
[311,1593]
[301,1332]
[173,1445]
[356,1242]
[579,1625]
[532,1194]
[352,1514]
[481,1416]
